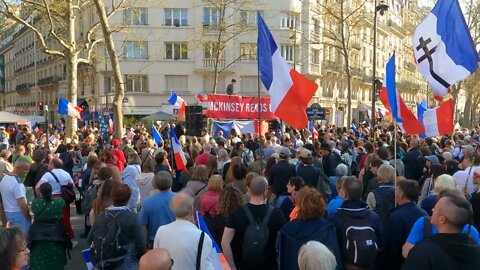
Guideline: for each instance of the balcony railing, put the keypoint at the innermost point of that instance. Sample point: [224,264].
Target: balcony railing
[49,80]
[23,88]
[332,66]
[210,63]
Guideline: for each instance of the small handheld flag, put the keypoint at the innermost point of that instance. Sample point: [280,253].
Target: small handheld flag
[66,107]
[178,103]
[178,154]
[157,138]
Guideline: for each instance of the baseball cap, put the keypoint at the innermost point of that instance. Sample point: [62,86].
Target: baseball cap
[433,159]
[285,152]
[115,142]
[305,153]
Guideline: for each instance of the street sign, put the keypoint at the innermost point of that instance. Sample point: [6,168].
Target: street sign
[316,112]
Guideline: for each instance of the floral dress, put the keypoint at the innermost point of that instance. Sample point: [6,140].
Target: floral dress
[47,255]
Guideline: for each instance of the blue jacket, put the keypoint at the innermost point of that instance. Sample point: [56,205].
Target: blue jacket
[399,224]
[298,232]
[359,210]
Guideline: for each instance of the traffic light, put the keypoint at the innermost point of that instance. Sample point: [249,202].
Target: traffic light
[40,106]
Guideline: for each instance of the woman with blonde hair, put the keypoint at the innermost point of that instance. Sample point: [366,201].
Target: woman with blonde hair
[442,182]
[316,256]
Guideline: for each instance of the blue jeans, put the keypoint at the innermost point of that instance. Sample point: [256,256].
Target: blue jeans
[17,219]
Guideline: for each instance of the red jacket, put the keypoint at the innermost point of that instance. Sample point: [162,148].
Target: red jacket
[209,203]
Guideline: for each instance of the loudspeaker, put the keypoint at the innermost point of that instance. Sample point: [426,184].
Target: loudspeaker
[194,120]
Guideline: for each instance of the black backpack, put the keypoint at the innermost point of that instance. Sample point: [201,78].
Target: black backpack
[89,197]
[107,250]
[359,243]
[256,237]
[386,198]
[323,186]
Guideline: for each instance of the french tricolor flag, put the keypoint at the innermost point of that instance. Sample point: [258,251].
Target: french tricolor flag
[290,92]
[66,107]
[443,47]
[395,104]
[178,154]
[178,103]
[312,129]
[439,120]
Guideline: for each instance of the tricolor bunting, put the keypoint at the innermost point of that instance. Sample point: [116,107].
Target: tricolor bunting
[220,262]
[290,92]
[179,156]
[443,47]
[66,107]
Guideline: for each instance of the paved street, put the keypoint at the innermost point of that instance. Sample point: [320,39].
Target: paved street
[77,262]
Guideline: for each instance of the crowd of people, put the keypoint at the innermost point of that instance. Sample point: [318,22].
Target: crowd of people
[345,199]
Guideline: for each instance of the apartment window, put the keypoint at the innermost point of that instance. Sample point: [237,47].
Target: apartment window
[176,50]
[176,83]
[315,57]
[176,17]
[288,20]
[211,16]
[209,51]
[248,51]
[288,52]
[109,83]
[208,82]
[135,16]
[250,84]
[135,50]
[316,26]
[249,17]
[136,83]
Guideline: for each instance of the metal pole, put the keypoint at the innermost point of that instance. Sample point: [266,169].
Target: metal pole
[374,71]
[259,109]
[45,111]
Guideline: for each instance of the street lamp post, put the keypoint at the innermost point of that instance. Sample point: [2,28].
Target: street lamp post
[380,8]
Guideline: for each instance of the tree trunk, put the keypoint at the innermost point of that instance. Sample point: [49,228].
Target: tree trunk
[117,74]
[467,111]
[454,93]
[72,68]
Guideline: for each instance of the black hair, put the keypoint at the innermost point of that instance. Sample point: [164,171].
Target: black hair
[409,188]
[46,191]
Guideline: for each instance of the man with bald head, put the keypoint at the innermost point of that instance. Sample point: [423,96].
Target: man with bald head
[238,221]
[185,242]
[156,259]
[13,203]
[57,177]
[450,248]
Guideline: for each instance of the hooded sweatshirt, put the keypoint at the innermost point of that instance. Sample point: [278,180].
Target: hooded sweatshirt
[298,232]
[444,251]
[144,183]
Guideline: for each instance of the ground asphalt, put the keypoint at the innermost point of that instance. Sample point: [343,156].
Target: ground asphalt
[77,262]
